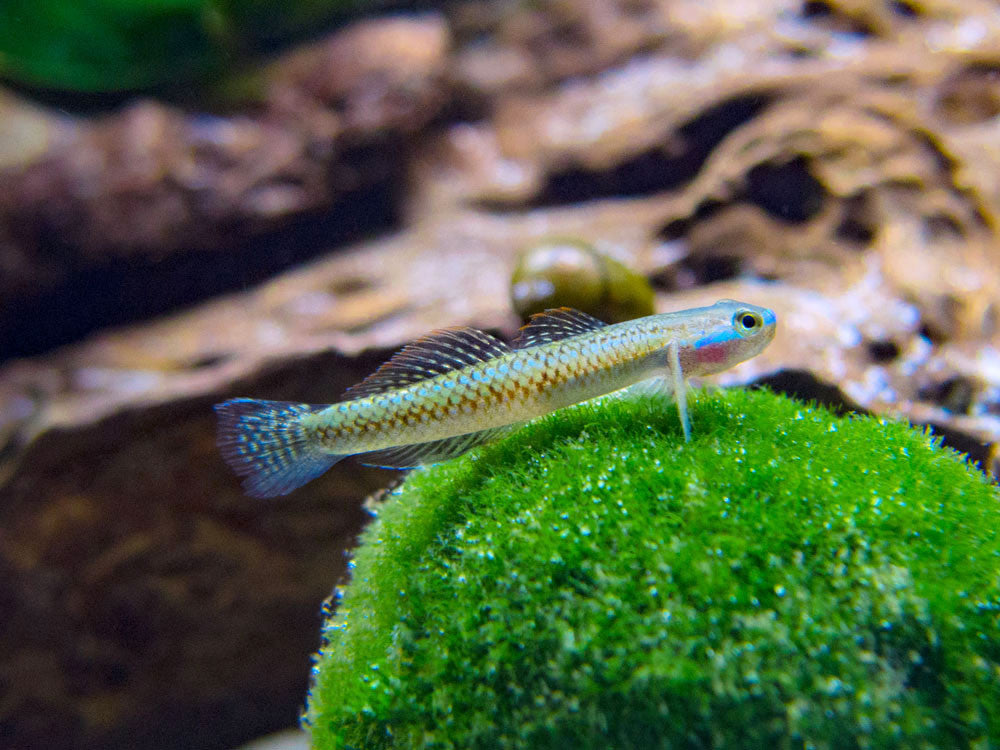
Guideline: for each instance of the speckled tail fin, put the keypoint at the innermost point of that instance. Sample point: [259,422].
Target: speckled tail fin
[264,442]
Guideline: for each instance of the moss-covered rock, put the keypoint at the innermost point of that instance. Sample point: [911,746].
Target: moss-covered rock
[788,579]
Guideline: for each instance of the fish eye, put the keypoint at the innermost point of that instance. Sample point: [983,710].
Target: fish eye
[747,321]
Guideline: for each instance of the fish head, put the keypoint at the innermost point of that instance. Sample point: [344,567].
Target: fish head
[731,332]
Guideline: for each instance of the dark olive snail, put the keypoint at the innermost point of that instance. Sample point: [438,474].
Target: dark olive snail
[571,272]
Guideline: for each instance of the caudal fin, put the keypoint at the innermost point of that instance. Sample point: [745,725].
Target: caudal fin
[264,442]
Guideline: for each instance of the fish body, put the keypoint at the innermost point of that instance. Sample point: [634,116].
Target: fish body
[457,388]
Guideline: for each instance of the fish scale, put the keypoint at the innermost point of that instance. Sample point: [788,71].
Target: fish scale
[458,388]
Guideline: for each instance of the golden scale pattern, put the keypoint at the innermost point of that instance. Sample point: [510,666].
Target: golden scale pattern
[520,382]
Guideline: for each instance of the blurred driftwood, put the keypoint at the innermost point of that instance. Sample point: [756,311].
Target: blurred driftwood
[836,163]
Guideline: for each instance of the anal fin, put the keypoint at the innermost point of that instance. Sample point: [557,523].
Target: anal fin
[433,451]
[655,387]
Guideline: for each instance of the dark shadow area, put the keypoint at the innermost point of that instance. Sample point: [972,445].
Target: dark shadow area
[859,221]
[804,386]
[125,291]
[709,268]
[883,351]
[955,394]
[787,191]
[967,445]
[247,715]
[830,16]
[657,169]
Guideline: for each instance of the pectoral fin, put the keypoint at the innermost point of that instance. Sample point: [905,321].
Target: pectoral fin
[671,384]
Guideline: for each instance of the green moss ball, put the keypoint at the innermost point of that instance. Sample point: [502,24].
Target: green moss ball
[788,579]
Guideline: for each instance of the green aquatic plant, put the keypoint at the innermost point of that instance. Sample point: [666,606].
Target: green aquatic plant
[788,579]
[124,45]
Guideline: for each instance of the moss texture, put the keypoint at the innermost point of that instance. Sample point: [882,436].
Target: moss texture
[788,579]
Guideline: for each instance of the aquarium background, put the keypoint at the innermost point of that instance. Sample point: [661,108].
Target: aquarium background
[205,199]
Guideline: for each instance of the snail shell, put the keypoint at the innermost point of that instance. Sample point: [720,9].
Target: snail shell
[571,272]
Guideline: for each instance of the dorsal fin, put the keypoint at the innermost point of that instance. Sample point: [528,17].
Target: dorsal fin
[553,325]
[436,353]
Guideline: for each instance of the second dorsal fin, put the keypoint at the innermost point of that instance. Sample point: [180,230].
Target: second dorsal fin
[555,324]
[436,353]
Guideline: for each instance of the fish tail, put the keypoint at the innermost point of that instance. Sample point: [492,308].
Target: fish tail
[265,443]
